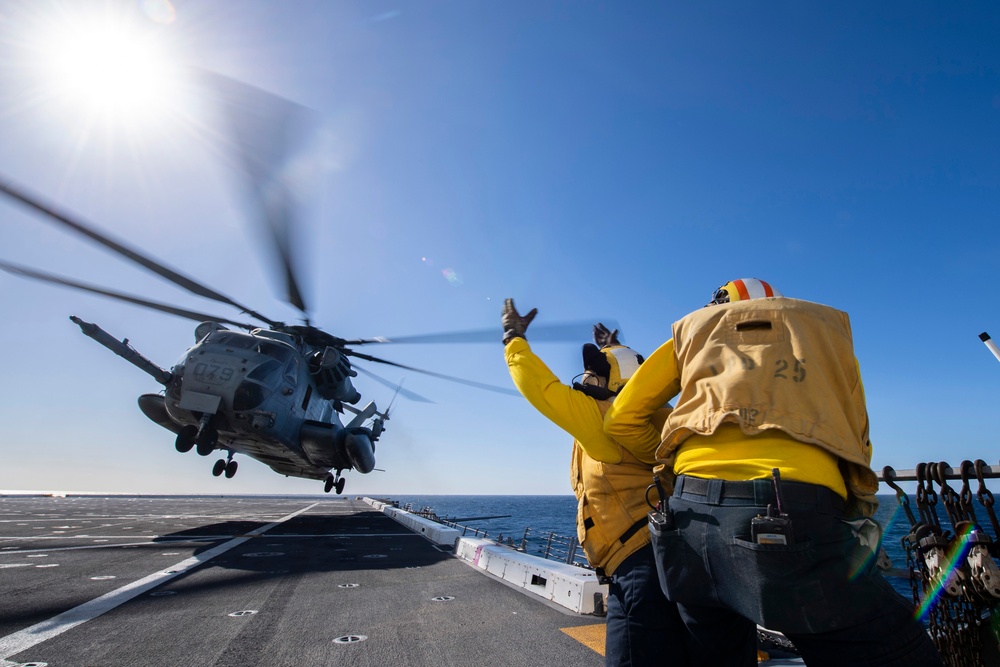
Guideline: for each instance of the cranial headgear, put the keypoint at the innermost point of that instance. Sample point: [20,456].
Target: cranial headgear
[615,363]
[741,290]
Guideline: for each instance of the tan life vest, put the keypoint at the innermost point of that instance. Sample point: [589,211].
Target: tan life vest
[777,363]
[611,512]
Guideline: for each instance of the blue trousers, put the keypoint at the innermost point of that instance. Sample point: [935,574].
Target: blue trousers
[643,628]
[822,590]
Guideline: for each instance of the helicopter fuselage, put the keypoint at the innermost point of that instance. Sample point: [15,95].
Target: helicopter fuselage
[270,396]
[266,394]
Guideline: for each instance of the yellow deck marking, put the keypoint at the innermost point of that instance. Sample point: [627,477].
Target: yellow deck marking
[591,636]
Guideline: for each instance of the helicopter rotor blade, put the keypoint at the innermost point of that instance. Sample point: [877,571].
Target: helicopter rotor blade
[145,303]
[266,134]
[405,393]
[75,224]
[450,378]
[539,333]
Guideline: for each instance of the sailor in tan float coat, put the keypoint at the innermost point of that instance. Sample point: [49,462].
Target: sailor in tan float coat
[769,521]
[610,484]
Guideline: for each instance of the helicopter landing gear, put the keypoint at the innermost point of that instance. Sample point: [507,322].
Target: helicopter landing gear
[185,438]
[207,436]
[226,465]
[334,482]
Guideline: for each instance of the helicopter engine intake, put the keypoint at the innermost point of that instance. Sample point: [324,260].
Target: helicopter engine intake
[332,372]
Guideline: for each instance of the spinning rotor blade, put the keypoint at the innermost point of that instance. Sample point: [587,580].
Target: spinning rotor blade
[78,226]
[405,393]
[266,132]
[471,383]
[539,333]
[162,307]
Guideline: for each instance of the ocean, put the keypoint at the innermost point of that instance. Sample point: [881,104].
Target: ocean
[545,516]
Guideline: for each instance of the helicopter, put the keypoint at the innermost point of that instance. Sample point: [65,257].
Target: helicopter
[275,392]
[278,393]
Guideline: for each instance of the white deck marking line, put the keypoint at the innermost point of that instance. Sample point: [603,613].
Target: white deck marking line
[111,546]
[176,541]
[22,640]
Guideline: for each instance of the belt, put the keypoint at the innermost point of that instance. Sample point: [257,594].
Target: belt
[759,490]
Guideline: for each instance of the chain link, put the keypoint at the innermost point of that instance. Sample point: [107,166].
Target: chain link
[960,607]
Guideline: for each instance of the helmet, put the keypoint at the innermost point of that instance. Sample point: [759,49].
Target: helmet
[741,290]
[615,364]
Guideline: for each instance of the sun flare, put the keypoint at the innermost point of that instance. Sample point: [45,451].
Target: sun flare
[111,68]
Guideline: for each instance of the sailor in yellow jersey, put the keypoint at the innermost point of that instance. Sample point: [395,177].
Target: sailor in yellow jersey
[610,483]
[768,398]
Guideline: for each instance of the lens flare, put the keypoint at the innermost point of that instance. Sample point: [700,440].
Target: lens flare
[451,277]
[957,553]
[160,11]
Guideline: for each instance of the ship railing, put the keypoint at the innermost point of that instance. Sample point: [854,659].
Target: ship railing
[551,546]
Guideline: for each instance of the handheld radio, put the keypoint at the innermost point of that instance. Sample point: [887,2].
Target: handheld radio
[776,526]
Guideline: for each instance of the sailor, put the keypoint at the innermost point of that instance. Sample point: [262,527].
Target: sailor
[610,483]
[774,493]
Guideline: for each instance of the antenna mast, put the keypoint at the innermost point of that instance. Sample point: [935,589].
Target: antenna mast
[985,337]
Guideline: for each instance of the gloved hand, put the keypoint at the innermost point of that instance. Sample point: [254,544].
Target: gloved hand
[514,324]
[603,337]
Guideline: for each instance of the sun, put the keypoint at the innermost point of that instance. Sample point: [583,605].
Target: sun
[105,65]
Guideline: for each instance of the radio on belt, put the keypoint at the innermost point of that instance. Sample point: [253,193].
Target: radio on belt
[776,527]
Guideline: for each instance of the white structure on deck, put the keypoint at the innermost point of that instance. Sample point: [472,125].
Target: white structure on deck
[573,587]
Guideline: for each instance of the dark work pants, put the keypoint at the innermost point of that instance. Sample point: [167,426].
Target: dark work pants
[822,590]
[643,627]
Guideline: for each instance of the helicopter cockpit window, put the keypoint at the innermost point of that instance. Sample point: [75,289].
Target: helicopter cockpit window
[230,339]
[265,372]
[275,351]
[248,396]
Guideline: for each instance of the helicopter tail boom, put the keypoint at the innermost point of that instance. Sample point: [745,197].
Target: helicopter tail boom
[123,350]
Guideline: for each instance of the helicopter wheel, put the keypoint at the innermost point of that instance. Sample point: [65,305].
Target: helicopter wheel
[328,485]
[340,485]
[206,442]
[219,467]
[185,439]
[230,469]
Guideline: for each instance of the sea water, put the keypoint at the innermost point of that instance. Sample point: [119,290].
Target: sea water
[544,514]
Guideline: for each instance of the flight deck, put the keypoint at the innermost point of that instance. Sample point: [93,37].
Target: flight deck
[238,581]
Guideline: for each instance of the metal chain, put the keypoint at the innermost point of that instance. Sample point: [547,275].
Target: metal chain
[956,567]
[985,498]
[965,495]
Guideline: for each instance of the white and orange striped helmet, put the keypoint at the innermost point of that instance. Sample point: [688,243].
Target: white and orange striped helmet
[741,290]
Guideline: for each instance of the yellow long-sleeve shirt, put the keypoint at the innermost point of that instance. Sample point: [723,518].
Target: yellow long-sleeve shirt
[569,409]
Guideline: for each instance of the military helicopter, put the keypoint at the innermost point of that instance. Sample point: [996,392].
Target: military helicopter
[274,393]
[269,390]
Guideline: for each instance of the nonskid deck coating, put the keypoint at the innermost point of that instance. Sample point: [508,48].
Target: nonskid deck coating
[254,581]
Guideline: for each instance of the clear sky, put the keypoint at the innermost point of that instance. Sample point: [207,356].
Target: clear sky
[593,160]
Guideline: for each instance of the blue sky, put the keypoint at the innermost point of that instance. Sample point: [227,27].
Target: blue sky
[593,160]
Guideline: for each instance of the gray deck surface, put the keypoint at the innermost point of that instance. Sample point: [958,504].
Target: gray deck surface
[147,581]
